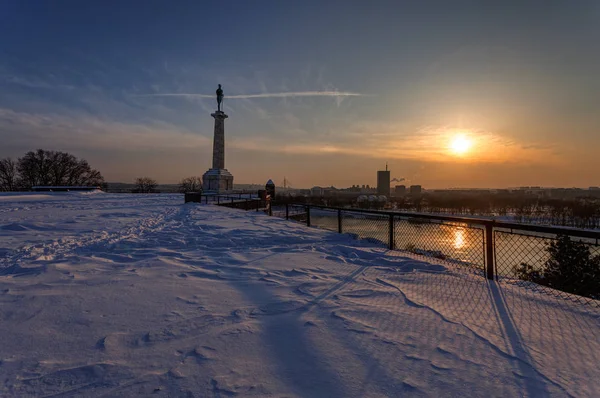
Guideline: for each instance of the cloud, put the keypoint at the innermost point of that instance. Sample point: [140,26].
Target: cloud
[291,94]
[82,132]
[34,82]
[394,141]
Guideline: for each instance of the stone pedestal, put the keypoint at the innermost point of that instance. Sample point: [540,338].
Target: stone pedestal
[218,179]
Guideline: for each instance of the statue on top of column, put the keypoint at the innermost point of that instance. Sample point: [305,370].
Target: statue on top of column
[219,98]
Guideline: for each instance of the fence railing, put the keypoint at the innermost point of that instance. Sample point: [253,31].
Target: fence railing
[561,261]
[222,199]
[558,260]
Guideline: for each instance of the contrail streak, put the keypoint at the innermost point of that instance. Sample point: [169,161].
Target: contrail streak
[336,94]
[299,94]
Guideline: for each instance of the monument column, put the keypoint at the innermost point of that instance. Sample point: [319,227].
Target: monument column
[218,179]
[219,140]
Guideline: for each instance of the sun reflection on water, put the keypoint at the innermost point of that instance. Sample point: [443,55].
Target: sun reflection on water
[459,238]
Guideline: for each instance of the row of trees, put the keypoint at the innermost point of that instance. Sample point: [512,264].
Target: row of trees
[54,168]
[582,212]
[149,185]
[44,167]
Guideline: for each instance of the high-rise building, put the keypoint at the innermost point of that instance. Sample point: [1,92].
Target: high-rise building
[400,190]
[383,182]
[415,189]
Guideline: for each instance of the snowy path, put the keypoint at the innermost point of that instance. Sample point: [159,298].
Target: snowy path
[125,295]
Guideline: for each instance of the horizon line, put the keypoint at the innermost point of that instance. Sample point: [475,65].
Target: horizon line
[426,189]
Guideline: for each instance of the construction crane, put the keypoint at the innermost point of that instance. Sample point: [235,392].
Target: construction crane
[286,183]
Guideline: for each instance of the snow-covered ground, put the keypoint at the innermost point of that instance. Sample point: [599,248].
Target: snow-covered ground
[141,295]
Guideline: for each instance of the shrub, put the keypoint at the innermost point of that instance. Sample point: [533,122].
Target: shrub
[571,268]
[145,185]
[190,184]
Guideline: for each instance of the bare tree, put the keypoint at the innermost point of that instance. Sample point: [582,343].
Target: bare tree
[145,185]
[8,175]
[190,184]
[34,168]
[56,168]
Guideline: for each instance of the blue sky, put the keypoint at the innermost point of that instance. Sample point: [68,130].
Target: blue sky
[517,78]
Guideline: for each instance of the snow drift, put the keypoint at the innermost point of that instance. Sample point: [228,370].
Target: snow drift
[140,295]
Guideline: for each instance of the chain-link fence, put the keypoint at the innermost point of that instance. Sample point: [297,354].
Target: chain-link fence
[372,227]
[324,219]
[278,210]
[291,212]
[219,199]
[245,204]
[561,264]
[455,243]
[451,242]
[550,260]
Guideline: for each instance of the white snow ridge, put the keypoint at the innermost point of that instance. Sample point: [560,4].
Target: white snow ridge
[139,295]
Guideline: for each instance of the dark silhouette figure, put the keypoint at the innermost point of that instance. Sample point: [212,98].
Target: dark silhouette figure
[219,98]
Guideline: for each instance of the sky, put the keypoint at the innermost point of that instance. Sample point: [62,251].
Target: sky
[319,92]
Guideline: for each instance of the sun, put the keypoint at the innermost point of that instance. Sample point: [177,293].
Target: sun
[460,145]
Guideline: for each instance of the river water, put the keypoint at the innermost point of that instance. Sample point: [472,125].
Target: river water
[457,243]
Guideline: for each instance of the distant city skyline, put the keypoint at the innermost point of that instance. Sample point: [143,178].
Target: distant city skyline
[117,184]
[450,94]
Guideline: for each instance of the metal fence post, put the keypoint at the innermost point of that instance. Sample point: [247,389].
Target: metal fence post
[392,244]
[308,216]
[489,250]
[287,211]
[340,221]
